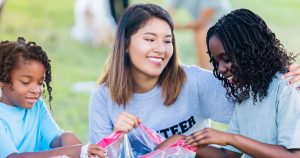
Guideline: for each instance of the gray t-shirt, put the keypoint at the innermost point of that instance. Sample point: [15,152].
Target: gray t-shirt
[274,120]
[201,98]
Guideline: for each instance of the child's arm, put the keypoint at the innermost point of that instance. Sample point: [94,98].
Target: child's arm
[66,139]
[210,151]
[70,151]
[249,146]
[170,141]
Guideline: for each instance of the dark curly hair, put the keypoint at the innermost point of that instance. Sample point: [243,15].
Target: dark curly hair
[11,52]
[255,53]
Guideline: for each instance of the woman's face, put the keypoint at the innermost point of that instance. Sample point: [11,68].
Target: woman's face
[151,48]
[222,58]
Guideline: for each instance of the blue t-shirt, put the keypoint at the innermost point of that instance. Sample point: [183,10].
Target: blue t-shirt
[274,120]
[202,98]
[196,7]
[26,130]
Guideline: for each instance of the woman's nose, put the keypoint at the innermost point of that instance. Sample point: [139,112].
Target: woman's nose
[222,67]
[160,47]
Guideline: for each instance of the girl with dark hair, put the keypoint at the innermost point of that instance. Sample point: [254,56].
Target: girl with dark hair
[26,127]
[250,61]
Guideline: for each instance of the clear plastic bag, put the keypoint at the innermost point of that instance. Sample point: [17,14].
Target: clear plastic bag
[140,143]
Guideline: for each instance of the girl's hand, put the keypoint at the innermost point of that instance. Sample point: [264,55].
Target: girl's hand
[95,151]
[208,136]
[294,71]
[126,122]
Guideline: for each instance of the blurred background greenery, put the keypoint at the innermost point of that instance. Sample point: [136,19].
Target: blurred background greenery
[49,23]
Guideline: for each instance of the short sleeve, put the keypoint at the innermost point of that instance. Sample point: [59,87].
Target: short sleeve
[174,3]
[234,129]
[288,117]
[100,124]
[213,98]
[210,4]
[48,127]
[7,146]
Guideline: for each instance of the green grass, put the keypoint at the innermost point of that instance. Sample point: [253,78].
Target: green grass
[49,22]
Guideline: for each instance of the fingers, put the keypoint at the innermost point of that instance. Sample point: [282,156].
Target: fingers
[126,122]
[293,67]
[197,138]
[133,120]
[96,151]
[294,70]
[294,73]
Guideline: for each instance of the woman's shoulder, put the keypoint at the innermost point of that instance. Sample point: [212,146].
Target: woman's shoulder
[282,85]
[199,75]
[193,70]
[100,89]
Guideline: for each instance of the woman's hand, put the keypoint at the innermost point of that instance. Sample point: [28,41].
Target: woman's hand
[126,122]
[95,151]
[294,72]
[208,136]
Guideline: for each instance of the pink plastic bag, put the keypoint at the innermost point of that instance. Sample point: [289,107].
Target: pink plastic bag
[140,143]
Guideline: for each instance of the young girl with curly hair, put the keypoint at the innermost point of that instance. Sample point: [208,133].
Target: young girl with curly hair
[250,61]
[26,127]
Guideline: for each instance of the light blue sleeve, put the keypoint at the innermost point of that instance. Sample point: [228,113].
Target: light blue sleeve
[214,4]
[214,102]
[49,128]
[7,146]
[174,3]
[100,124]
[288,117]
[233,128]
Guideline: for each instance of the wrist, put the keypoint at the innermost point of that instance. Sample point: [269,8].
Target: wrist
[84,151]
[230,138]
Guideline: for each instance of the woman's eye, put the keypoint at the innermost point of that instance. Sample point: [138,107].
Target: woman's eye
[226,58]
[168,41]
[149,40]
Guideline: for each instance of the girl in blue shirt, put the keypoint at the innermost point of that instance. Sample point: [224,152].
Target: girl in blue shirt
[26,127]
[250,61]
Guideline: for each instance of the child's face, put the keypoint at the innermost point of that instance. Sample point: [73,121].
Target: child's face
[222,58]
[27,79]
[151,48]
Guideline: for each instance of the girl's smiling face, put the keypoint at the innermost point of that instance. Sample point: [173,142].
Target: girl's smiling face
[222,59]
[151,48]
[27,79]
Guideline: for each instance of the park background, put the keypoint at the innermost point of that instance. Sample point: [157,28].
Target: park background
[49,23]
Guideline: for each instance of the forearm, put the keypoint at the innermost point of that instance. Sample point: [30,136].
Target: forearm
[194,25]
[258,149]
[204,19]
[209,152]
[70,151]
[66,139]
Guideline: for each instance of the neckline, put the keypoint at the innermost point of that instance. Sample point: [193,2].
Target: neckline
[147,95]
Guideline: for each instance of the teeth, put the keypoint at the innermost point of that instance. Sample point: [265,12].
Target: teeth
[230,78]
[155,59]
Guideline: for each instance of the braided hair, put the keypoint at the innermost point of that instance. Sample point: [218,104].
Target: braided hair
[255,53]
[11,52]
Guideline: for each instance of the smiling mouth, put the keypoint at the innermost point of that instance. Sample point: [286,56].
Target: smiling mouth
[31,100]
[230,77]
[156,60]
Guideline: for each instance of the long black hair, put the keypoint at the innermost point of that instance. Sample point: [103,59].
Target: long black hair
[256,54]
